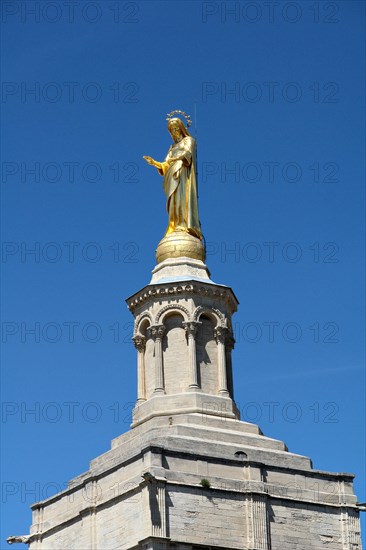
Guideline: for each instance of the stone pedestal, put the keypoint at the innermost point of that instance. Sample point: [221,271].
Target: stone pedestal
[180,244]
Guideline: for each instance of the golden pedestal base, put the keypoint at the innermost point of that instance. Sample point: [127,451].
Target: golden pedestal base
[180,244]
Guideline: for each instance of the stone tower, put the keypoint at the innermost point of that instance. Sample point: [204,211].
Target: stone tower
[190,475]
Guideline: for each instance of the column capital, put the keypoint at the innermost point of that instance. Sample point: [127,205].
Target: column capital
[191,327]
[156,331]
[230,342]
[221,334]
[140,342]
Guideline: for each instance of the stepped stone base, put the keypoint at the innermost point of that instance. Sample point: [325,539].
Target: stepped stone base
[194,401]
[197,480]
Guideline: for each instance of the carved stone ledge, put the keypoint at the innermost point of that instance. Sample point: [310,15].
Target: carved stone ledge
[179,288]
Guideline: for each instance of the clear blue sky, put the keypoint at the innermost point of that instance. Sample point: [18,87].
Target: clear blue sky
[279,95]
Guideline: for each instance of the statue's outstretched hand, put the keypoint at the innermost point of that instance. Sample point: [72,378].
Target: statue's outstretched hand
[153,162]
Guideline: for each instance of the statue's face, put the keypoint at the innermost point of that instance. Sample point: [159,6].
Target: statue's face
[175,131]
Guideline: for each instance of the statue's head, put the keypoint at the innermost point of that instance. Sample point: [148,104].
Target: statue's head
[177,129]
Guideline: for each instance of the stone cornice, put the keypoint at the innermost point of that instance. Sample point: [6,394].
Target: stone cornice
[90,476]
[182,288]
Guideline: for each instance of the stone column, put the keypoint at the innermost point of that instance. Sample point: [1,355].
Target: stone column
[37,528]
[157,332]
[154,507]
[146,523]
[89,516]
[159,517]
[220,336]
[257,522]
[140,344]
[229,346]
[191,331]
[91,495]
[350,529]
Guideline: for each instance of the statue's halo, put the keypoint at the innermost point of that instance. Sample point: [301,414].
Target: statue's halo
[182,113]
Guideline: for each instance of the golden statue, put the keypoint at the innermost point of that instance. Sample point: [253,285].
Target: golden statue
[180,185]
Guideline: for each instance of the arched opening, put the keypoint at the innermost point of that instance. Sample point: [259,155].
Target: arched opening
[241,455]
[175,354]
[149,358]
[206,350]
[145,323]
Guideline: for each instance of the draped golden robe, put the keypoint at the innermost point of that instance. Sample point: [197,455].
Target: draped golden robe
[180,187]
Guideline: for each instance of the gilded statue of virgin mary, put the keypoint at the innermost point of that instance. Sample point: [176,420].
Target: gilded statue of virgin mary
[180,185]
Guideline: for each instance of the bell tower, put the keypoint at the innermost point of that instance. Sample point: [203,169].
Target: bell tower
[183,337]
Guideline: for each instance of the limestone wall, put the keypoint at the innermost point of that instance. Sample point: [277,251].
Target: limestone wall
[200,516]
[120,526]
[304,527]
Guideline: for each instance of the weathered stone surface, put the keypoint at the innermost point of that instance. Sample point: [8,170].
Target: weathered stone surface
[150,483]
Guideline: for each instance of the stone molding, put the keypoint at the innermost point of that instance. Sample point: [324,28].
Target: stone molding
[262,487]
[171,307]
[181,288]
[140,318]
[221,319]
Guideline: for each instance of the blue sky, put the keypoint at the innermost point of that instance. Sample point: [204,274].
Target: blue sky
[277,94]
